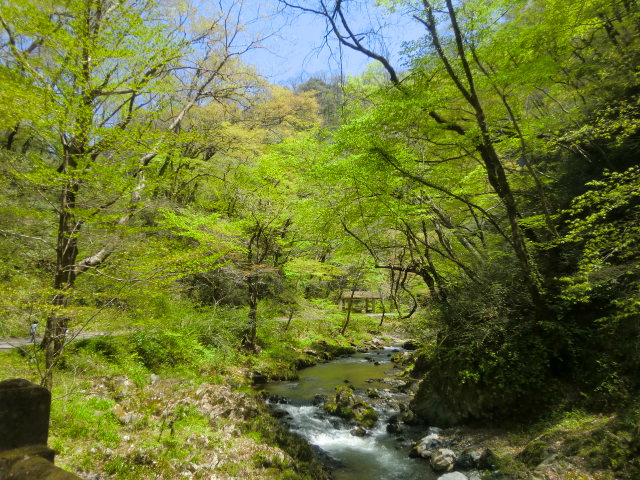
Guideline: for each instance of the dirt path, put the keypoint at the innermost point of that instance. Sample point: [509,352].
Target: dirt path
[10,343]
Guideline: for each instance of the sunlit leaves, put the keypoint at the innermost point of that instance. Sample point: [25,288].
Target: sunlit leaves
[606,223]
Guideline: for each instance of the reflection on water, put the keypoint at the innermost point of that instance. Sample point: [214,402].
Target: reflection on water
[378,456]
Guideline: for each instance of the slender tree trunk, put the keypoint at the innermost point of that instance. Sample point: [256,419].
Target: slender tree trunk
[495,170]
[353,292]
[250,334]
[498,180]
[384,309]
[286,328]
[346,322]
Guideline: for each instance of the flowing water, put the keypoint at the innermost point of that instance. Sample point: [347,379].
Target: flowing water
[377,456]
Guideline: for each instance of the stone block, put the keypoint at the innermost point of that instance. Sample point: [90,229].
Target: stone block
[24,414]
[9,458]
[32,468]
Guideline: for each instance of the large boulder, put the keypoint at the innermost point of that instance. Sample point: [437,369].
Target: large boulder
[411,344]
[425,447]
[430,407]
[443,460]
[344,404]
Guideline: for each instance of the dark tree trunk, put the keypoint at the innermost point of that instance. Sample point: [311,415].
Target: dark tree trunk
[65,274]
[250,334]
[384,309]
[291,311]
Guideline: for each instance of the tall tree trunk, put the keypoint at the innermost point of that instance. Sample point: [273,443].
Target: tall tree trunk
[384,309]
[495,170]
[250,334]
[353,292]
[350,305]
[498,180]
[65,274]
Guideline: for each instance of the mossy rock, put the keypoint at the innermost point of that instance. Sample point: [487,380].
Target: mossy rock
[344,404]
[366,417]
[304,361]
[333,350]
[341,411]
[535,453]
[402,358]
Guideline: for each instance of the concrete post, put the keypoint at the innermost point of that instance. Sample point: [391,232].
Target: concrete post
[24,414]
[24,429]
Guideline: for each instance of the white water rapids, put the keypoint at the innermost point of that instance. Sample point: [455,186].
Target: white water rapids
[377,456]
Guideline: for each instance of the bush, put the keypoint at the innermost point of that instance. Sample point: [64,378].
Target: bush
[167,348]
[492,356]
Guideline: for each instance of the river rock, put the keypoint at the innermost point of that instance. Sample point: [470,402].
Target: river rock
[430,407]
[410,418]
[442,460]
[393,425]
[304,362]
[431,441]
[411,345]
[420,450]
[278,399]
[319,399]
[344,404]
[488,460]
[373,393]
[359,431]
[258,377]
[401,358]
[394,428]
[453,476]
[470,458]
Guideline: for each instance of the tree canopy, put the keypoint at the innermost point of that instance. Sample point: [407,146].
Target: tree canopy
[488,184]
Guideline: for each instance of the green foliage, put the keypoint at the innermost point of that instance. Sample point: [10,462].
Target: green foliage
[167,348]
[605,221]
[203,208]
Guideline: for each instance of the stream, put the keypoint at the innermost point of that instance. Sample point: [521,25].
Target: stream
[377,456]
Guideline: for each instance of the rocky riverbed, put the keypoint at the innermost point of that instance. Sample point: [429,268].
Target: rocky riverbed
[354,410]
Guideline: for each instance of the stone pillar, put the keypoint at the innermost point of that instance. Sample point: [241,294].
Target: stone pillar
[24,414]
[24,429]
